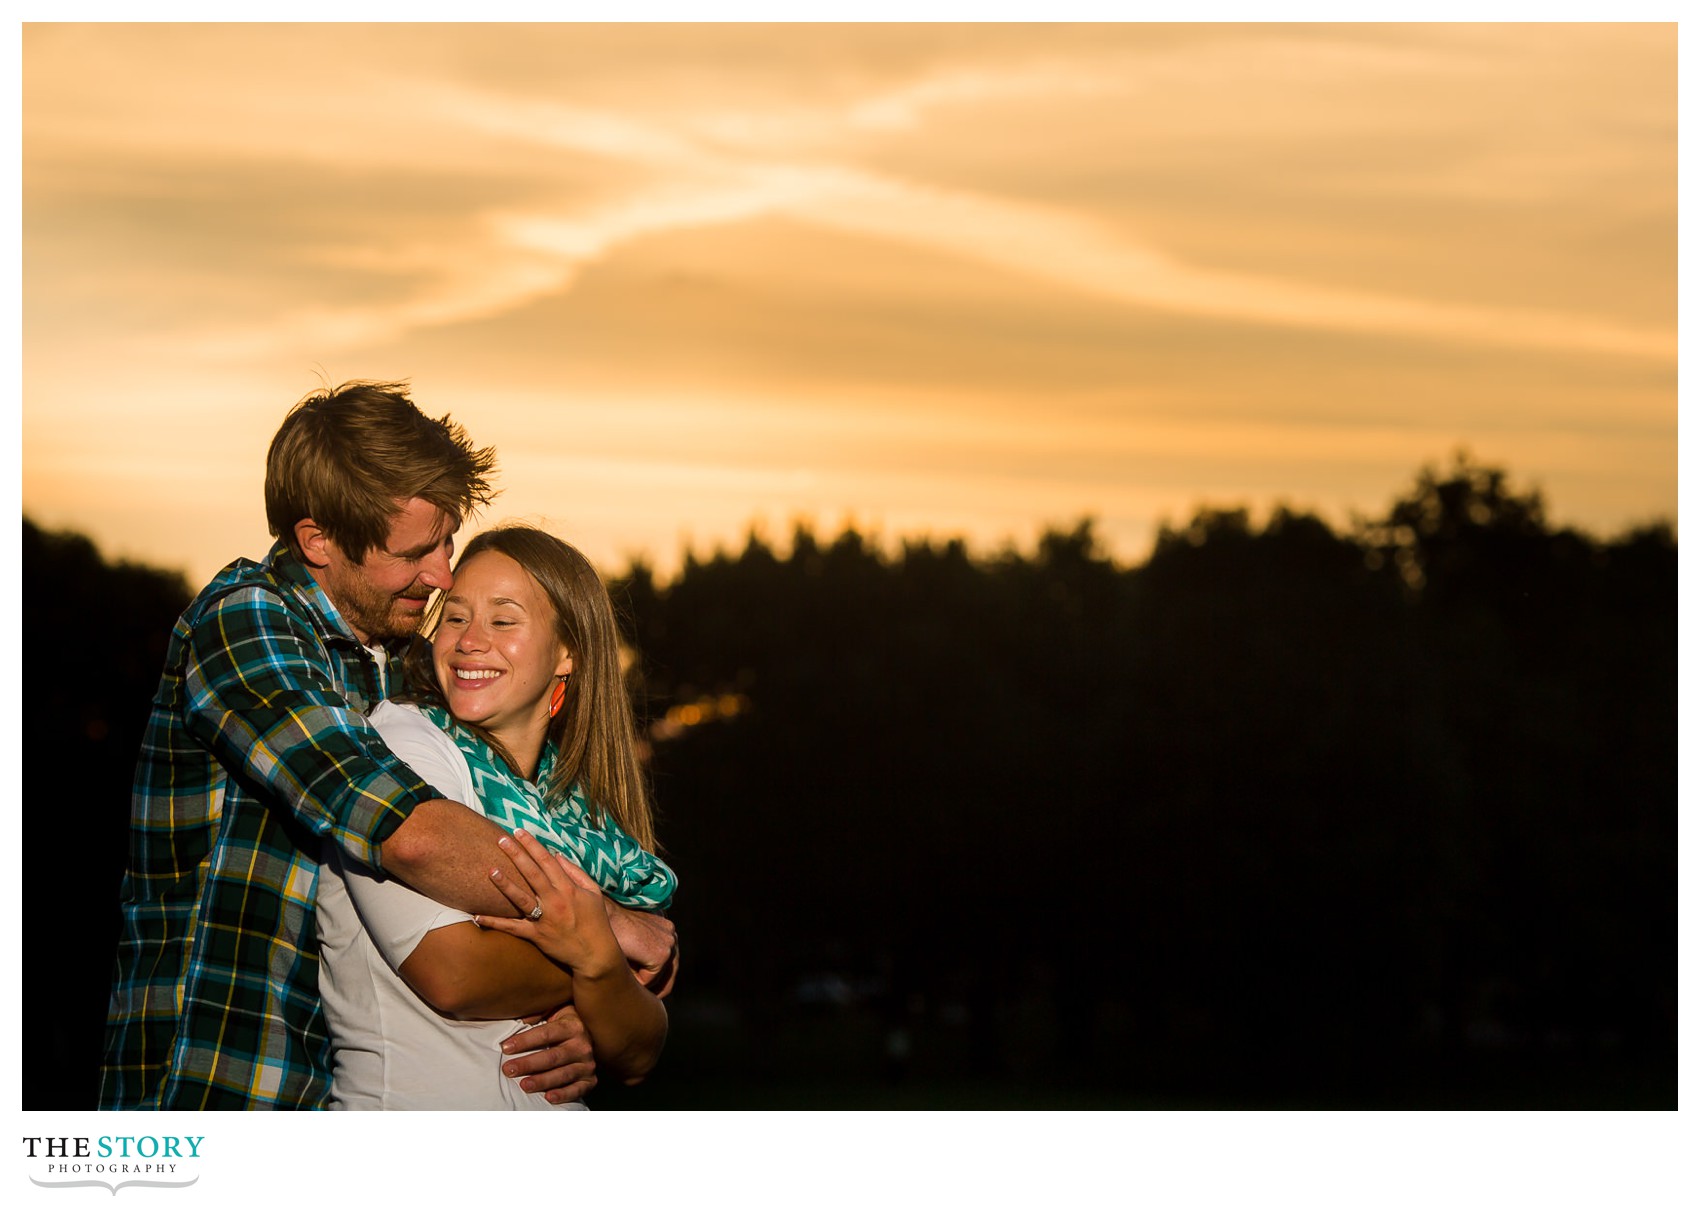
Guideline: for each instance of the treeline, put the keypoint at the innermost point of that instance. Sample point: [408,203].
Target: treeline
[94,637]
[1280,816]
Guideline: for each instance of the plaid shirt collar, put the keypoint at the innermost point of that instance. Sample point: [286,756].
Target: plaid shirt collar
[289,569]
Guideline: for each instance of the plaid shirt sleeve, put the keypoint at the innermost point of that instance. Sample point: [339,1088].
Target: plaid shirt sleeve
[259,694]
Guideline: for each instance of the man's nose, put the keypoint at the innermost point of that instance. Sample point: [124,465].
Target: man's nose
[434,570]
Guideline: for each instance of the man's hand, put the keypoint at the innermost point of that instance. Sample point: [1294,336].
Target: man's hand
[650,944]
[563,1069]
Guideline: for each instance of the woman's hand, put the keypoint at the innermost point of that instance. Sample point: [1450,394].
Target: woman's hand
[572,927]
[562,912]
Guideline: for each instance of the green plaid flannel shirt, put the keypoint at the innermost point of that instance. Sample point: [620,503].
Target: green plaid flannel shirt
[257,748]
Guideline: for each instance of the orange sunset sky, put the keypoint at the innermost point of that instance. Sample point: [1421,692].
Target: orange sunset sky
[942,279]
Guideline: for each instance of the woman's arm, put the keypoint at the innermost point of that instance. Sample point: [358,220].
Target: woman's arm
[463,972]
[627,1023]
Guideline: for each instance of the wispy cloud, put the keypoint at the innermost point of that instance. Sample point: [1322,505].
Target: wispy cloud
[1081,253]
[975,273]
[693,179]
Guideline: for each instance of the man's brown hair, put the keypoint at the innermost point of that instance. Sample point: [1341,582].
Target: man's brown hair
[345,456]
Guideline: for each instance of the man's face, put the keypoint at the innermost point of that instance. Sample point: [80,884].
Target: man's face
[383,596]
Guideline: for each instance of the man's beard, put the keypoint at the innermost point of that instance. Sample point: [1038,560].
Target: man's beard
[379,615]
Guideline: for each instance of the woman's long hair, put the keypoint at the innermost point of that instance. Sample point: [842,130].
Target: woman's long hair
[595,734]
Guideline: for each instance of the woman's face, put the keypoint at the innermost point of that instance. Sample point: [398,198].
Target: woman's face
[497,652]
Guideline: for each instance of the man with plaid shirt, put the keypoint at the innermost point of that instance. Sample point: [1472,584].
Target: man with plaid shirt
[258,747]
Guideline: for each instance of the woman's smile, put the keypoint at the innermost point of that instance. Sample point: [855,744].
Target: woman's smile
[498,652]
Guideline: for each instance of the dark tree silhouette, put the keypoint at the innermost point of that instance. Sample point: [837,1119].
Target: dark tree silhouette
[1281,815]
[82,715]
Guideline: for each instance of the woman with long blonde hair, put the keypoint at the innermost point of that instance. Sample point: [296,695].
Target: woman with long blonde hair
[518,708]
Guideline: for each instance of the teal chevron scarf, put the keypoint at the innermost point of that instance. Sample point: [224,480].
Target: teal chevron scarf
[611,856]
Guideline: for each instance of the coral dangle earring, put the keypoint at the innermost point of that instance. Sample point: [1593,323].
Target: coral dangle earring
[557,698]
